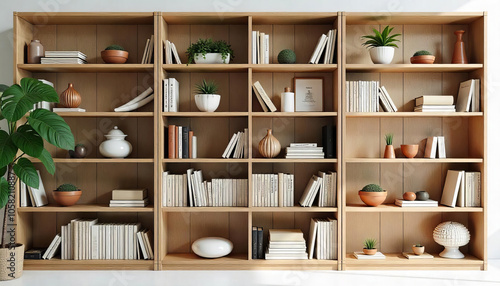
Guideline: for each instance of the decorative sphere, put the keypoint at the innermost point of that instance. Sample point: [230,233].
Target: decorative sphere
[422,196]
[212,247]
[409,196]
[287,57]
[451,235]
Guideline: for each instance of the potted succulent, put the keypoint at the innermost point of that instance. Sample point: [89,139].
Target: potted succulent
[381,45]
[209,52]
[207,99]
[422,57]
[370,246]
[418,249]
[114,54]
[79,152]
[24,137]
[372,195]
[66,195]
[389,149]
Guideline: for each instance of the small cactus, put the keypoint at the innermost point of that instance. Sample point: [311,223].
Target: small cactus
[67,188]
[422,53]
[115,47]
[372,188]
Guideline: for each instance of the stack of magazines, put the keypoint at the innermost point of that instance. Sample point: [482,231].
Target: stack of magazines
[64,57]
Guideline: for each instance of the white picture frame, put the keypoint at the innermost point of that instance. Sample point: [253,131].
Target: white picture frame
[309,94]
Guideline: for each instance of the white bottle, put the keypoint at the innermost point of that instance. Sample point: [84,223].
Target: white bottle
[287,100]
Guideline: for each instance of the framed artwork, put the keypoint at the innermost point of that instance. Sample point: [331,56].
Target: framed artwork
[308,94]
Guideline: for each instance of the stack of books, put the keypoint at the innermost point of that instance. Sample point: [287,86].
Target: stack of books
[361,255]
[363,96]
[273,190]
[324,187]
[304,151]
[257,242]
[237,147]
[64,57]
[323,238]
[435,147]
[386,100]
[170,95]
[325,49]
[30,196]
[171,55]
[286,244]
[462,189]
[264,100]
[434,103]
[469,96]
[260,48]
[147,56]
[182,143]
[427,203]
[129,198]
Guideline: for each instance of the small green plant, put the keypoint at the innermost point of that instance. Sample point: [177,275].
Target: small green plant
[422,53]
[418,245]
[370,243]
[207,87]
[67,188]
[206,46]
[115,47]
[372,188]
[388,138]
[381,39]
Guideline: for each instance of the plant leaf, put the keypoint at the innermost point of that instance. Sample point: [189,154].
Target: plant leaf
[26,172]
[28,140]
[8,149]
[4,192]
[52,128]
[47,161]
[3,170]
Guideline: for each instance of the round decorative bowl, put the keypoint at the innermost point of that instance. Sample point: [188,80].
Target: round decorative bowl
[382,55]
[418,250]
[66,199]
[212,247]
[425,59]
[410,151]
[211,58]
[207,102]
[114,56]
[370,251]
[372,199]
[451,235]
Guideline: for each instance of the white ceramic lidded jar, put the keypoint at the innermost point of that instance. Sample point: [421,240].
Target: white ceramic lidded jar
[115,146]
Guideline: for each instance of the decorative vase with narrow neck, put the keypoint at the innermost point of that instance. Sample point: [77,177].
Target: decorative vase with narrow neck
[269,146]
[459,56]
[70,98]
[389,152]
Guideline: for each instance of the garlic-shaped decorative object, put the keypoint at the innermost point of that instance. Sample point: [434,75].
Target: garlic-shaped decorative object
[115,146]
[451,235]
[269,146]
[70,98]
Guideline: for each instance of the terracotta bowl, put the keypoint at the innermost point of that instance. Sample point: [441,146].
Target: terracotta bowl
[67,199]
[425,59]
[418,250]
[373,199]
[370,251]
[114,56]
[410,151]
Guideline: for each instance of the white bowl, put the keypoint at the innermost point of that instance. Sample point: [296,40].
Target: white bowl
[212,247]
[207,102]
[211,58]
[382,55]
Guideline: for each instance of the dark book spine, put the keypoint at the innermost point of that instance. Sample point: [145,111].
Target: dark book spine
[328,144]
[260,243]
[31,255]
[185,142]
[254,243]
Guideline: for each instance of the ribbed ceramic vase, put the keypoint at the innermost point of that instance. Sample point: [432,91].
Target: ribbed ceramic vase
[459,56]
[70,98]
[269,146]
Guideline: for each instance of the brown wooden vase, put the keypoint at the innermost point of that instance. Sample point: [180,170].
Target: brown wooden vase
[459,56]
[389,152]
[70,98]
[269,146]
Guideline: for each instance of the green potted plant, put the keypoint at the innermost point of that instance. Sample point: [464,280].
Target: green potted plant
[210,52]
[370,246]
[114,54]
[66,195]
[381,45]
[422,57]
[372,195]
[418,249]
[207,99]
[389,148]
[25,136]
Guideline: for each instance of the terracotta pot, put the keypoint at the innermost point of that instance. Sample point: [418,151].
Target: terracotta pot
[459,56]
[370,251]
[269,146]
[389,152]
[410,151]
[418,250]
[70,98]
[372,199]
[424,59]
[8,271]
[409,196]
[66,199]
[114,56]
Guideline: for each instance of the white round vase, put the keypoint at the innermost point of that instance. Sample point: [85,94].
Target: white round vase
[211,58]
[115,146]
[451,235]
[207,102]
[212,247]
[382,55]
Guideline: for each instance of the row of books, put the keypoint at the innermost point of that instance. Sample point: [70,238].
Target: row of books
[171,54]
[362,96]
[129,198]
[286,244]
[462,189]
[323,238]
[170,95]
[182,143]
[321,188]
[30,196]
[257,242]
[304,150]
[260,48]
[435,147]
[64,57]
[273,190]
[147,55]
[325,49]
[238,146]
[262,97]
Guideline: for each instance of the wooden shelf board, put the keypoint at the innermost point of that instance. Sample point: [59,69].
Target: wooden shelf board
[205,209]
[293,114]
[94,18]
[83,208]
[414,160]
[105,114]
[361,208]
[413,114]
[413,67]
[205,67]
[283,160]
[58,264]
[97,160]
[87,68]
[411,18]
[206,160]
[258,18]
[295,209]
[207,18]
[293,67]
[205,114]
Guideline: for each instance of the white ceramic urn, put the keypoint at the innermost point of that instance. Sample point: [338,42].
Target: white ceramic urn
[212,247]
[115,146]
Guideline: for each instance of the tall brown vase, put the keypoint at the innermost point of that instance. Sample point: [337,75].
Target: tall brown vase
[459,56]
[269,146]
[389,152]
[70,98]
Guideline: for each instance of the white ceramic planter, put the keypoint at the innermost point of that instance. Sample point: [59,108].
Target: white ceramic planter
[382,55]
[207,102]
[211,58]
[115,146]
[212,247]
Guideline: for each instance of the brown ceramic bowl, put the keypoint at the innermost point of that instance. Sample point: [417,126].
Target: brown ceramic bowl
[372,199]
[67,199]
[410,151]
[425,59]
[370,251]
[114,56]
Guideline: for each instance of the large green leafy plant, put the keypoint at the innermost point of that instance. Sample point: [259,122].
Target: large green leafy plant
[204,47]
[381,39]
[25,136]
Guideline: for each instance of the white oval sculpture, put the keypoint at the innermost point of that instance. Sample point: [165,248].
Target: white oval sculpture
[212,247]
[451,235]
[115,145]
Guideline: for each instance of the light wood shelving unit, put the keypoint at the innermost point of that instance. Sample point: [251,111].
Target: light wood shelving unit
[358,160]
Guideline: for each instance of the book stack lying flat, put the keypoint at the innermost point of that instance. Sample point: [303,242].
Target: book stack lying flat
[181,142]
[434,103]
[257,242]
[238,146]
[264,100]
[129,198]
[462,189]
[286,244]
[273,190]
[427,203]
[325,49]
[304,150]
[411,255]
[361,255]
[260,48]
[171,55]
[363,96]
[64,57]
[324,187]
[323,238]
[469,96]
[435,147]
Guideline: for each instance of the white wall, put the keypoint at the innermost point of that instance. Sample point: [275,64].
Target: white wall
[221,6]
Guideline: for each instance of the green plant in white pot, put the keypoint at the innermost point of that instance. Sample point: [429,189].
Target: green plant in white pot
[25,136]
[381,45]
[210,52]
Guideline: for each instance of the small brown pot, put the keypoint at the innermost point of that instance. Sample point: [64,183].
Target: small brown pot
[418,250]
[114,56]
[370,251]
[410,151]
[389,152]
[424,59]
[67,199]
[373,199]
